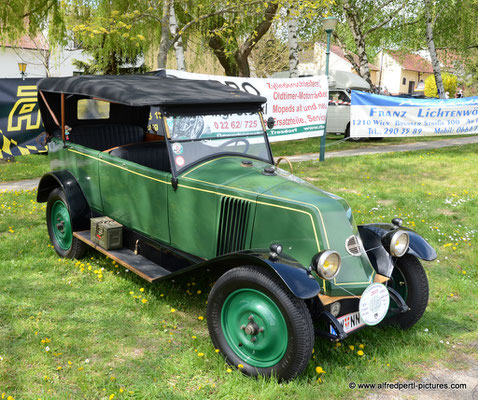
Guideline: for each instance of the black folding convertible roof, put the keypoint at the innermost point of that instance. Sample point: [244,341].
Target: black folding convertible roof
[142,90]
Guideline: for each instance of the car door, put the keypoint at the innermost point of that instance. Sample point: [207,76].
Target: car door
[135,196]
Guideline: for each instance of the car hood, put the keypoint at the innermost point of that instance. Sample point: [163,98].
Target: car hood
[326,219]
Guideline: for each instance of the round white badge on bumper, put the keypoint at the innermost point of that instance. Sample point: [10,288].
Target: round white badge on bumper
[374,304]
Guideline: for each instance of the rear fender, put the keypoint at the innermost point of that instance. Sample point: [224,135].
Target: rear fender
[302,284]
[382,261]
[78,206]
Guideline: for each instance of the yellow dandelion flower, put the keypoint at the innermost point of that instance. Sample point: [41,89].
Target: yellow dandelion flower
[80,368]
[112,396]
[360,353]
[173,310]
[200,354]
[216,350]
[240,366]
[361,346]
[144,301]
[463,272]
[194,337]
[141,290]
[229,370]
[351,347]
[121,390]
[69,363]
[319,370]
[198,292]
[200,318]
[59,368]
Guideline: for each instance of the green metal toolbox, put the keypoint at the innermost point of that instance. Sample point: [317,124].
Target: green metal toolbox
[107,233]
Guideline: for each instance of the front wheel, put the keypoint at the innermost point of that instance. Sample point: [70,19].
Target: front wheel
[259,325]
[409,279]
[59,225]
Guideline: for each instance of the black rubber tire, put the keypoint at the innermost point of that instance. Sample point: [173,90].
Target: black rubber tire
[296,315]
[417,286]
[347,135]
[77,248]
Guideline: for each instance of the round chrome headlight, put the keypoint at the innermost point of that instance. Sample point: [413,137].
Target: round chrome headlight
[399,243]
[396,242]
[327,264]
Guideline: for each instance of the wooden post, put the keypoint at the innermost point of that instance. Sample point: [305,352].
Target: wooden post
[63,117]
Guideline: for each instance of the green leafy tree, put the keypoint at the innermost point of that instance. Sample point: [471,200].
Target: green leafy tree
[112,39]
[20,17]
[450,83]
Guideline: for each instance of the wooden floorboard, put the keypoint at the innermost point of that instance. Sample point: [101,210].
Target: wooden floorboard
[125,257]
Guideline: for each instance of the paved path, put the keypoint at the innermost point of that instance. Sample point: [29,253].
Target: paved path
[29,184]
[435,144]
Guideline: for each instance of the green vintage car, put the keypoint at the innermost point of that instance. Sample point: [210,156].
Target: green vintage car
[186,168]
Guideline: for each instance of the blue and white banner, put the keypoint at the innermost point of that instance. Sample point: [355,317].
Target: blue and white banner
[387,116]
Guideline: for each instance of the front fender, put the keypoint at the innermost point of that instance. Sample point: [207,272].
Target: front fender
[382,261]
[302,284]
[78,206]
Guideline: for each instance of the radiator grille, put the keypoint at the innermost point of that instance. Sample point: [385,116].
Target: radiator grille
[352,244]
[232,225]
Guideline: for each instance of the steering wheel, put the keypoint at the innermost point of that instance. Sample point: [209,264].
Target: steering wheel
[236,140]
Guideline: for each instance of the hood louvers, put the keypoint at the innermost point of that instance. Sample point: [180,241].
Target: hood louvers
[232,225]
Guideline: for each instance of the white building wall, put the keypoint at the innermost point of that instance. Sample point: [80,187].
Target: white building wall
[391,74]
[60,62]
[318,65]
[9,59]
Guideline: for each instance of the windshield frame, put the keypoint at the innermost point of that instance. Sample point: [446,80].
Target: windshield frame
[169,143]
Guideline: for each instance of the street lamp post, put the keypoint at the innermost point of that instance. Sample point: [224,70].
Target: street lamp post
[22,68]
[329,24]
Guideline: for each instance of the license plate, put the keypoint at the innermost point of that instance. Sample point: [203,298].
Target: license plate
[349,322]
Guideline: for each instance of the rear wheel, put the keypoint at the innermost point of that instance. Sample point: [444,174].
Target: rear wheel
[347,135]
[410,281]
[60,228]
[257,324]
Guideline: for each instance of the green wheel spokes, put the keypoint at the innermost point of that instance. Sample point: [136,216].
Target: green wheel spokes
[254,328]
[400,285]
[61,225]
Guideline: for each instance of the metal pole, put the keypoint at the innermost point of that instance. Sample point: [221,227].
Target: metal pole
[322,139]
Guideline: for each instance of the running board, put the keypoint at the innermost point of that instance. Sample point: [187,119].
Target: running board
[134,262]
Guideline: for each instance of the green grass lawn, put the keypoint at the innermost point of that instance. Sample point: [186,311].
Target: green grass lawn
[90,329]
[337,143]
[24,167]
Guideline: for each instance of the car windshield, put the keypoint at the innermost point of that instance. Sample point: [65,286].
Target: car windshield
[193,138]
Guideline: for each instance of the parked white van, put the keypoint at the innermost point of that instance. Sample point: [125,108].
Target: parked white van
[341,84]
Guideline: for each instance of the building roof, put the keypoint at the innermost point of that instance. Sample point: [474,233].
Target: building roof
[337,50]
[38,42]
[411,62]
[307,56]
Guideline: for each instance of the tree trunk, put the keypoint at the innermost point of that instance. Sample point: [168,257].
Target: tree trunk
[359,39]
[164,43]
[227,62]
[178,44]
[238,63]
[293,43]
[432,49]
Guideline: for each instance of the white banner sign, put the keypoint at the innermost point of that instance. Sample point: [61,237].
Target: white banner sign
[298,106]
[387,116]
